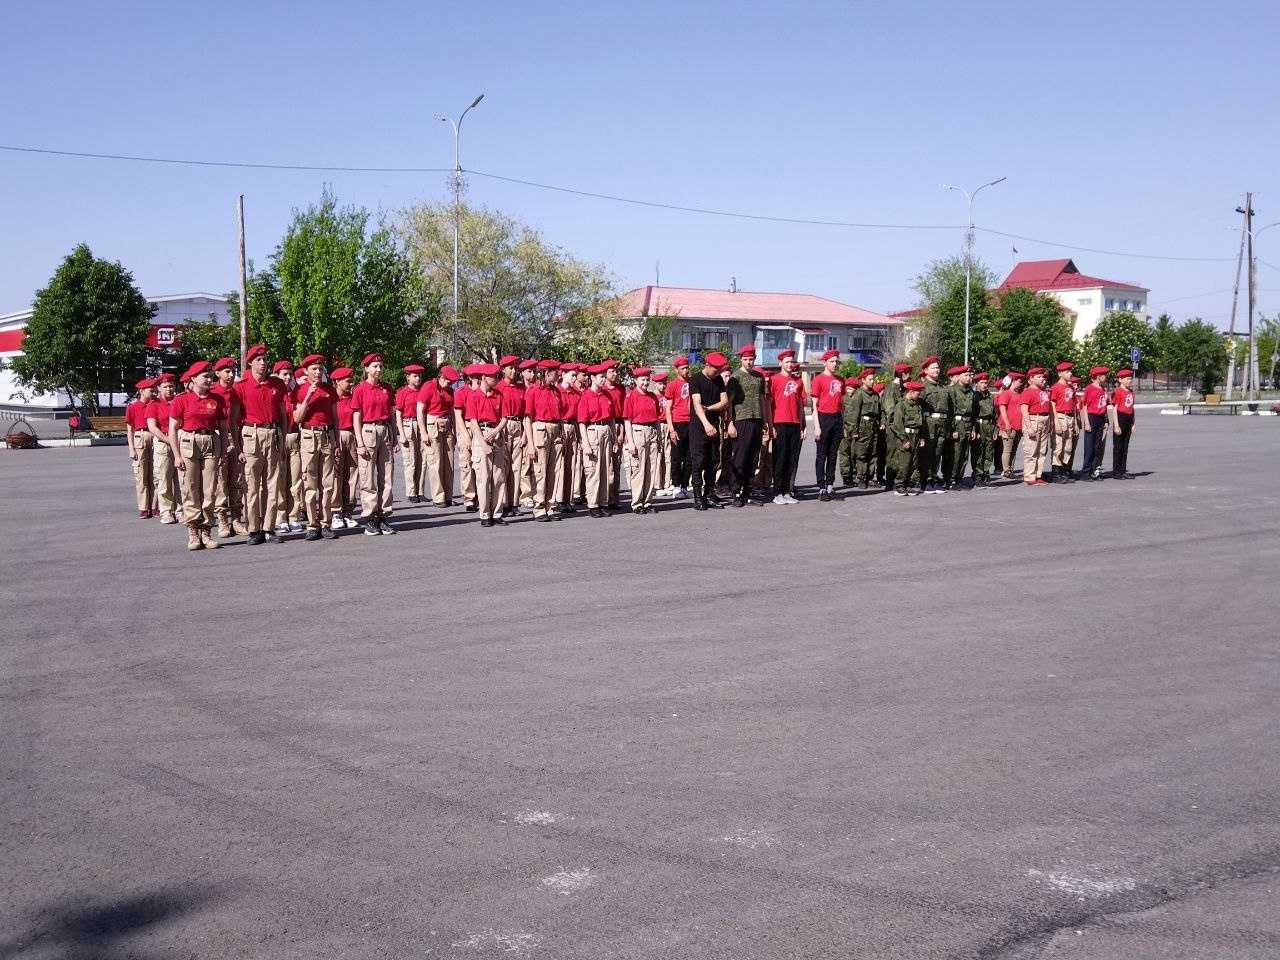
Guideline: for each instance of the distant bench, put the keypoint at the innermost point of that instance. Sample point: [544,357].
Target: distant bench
[79,425]
[1222,406]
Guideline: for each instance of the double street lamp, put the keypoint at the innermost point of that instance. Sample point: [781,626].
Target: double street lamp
[457,202]
[968,253]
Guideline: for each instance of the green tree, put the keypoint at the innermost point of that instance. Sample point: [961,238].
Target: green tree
[941,292]
[1110,342]
[201,340]
[1036,331]
[1164,345]
[516,292]
[87,332]
[1198,352]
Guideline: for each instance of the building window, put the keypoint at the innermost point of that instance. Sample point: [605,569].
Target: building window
[704,339]
[816,343]
[1137,306]
[1085,301]
[1111,303]
[775,339]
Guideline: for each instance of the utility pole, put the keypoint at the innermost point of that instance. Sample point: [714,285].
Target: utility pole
[244,287]
[1235,299]
[1250,385]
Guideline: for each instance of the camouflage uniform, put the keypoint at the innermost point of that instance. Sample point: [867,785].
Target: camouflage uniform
[907,426]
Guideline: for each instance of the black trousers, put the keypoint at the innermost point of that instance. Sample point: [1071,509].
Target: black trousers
[704,459]
[828,447]
[1091,437]
[1120,444]
[680,455]
[746,453]
[786,457]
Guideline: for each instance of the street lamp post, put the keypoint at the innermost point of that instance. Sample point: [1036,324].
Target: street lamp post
[968,253]
[457,202]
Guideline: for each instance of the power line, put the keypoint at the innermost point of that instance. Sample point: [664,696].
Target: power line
[1110,253]
[226,163]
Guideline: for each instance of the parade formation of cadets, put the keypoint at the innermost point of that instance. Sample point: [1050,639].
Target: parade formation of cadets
[299,449]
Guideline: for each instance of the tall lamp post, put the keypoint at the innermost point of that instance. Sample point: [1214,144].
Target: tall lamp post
[968,253]
[1252,377]
[457,203]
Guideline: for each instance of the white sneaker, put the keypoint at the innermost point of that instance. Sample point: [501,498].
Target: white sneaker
[527,504]
[681,494]
[337,523]
[780,500]
[296,526]
[791,499]
[168,518]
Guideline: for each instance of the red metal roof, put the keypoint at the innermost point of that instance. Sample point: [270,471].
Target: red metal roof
[1057,275]
[692,303]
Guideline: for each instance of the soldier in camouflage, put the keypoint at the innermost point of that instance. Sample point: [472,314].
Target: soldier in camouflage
[907,437]
[935,402]
[982,452]
[962,432]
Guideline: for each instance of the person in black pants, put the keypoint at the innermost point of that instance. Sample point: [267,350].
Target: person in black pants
[1122,425]
[786,403]
[748,421]
[827,389]
[708,401]
[676,414]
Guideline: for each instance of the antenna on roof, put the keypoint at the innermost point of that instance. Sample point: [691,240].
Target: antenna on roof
[733,284]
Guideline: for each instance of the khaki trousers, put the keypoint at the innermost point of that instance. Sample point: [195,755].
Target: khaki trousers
[231,484]
[663,471]
[1064,433]
[528,475]
[578,472]
[548,441]
[318,477]
[200,454]
[491,475]
[615,467]
[143,469]
[346,473]
[466,467]
[1035,436]
[513,436]
[290,478]
[439,457]
[168,493]
[644,467]
[261,449]
[377,474]
[411,458]
[598,467]
[1009,448]
[564,470]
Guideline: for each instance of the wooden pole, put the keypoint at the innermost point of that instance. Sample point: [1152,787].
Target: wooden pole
[1235,299]
[244,286]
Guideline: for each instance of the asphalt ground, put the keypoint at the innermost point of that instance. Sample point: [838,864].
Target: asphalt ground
[1024,722]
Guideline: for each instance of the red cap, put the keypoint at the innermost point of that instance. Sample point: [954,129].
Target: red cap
[717,359]
[680,361]
[164,378]
[913,385]
[747,351]
[257,350]
[1064,365]
[928,361]
[470,370]
[982,375]
[449,373]
[641,372]
[548,364]
[224,363]
[1016,375]
[1075,379]
[902,368]
[408,367]
[878,387]
[830,354]
[1098,371]
[954,371]
[340,373]
[528,364]
[607,364]
[281,365]
[197,368]
[659,377]
[311,358]
[510,360]
[596,368]
[371,358]
[852,383]
[488,369]
[569,366]
[784,354]
[144,384]
[1034,371]
[1124,373]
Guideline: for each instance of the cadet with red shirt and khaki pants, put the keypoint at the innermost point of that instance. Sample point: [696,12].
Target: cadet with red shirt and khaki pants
[289,516]
[1066,423]
[314,408]
[512,412]
[466,469]
[1036,427]
[436,428]
[165,473]
[372,406]
[140,446]
[259,426]
[230,508]
[640,413]
[595,430]
[197,434]
[347,462]
[488,445]
[544,418]
[411,457]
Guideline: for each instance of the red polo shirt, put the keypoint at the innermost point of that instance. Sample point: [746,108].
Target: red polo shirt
[1011,400]
[407,402]
[372,401]
[198,413]
[512,398]
[260,402]
[1123,400]
[486,409]
[640,406]
[543,403]
[320,412]
[460,397]
[1035,399]
[677,394]
[787,396]
[158,410]
[342,408]
[594,407]
[135,414]
[617,398]
[828,391]
[569,397]
[437,401]
[1062,396]
[1095,399]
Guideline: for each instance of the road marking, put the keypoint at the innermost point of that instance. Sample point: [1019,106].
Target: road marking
[517,943]
[568,882]
[1085,886]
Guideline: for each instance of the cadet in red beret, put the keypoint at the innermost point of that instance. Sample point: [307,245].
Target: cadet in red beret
[982,451]
[676,414]
[642,425]
[168,491]
[936,404]
[488,445]
[1036,427]
[1094,403]
[290,506]
[749,423]
[569,475]
[230,495]
[197,436]
[411,453]
[140,448]
[315,411]
[862,417]
[511,389]
[1066,423]
[544,439]
[708,399]
[436,427]
[1122,424]
[595,431]
[346,471]
[786,401]
[372,406]
[907,436]
[963,433]
[258,424]
[827,389]
[1009,420]
[889,398]
[466,471]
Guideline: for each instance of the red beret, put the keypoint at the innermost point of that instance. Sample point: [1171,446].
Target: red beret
[470,370]
[340,373]
[408,367]
[659,377]
[197,368]
[1097,371]
[1075,379]
[548,364]
[448,372]
[641,372]
[680,361]
[596,368]
[608,364]
[257,350]
[164,378]
[1064,365]
[510,360]
[224,363]
[928,361]
[1124,373]
[1036,370]
[281,365]
[902,368]
[954,371]
[717,359]
[830,354]
[371,358]
[488,369]
[852,382]
[1016,375]
[144,384]
[786,354]
[878,387]
[912,385]
[747,351]
[982,375]
[528,364]
[311,358]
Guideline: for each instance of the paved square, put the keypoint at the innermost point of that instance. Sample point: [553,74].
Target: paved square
[1012,723]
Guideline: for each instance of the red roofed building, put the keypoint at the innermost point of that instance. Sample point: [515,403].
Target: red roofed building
[1085,299]
[771,321]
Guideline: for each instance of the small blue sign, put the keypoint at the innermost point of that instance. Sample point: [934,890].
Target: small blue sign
[1134,354]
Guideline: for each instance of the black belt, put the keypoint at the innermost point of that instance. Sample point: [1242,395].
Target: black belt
[513,418]
[250,423]
[487,423]
[552,421]
[325,427]
[374,423]
[203,433]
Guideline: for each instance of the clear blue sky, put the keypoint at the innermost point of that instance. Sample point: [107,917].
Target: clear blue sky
[1129,127]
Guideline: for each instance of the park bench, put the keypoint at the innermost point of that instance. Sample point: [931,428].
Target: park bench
[78,425]
[1222,406]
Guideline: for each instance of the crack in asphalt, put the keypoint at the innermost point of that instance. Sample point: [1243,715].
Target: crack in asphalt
[1028,942]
